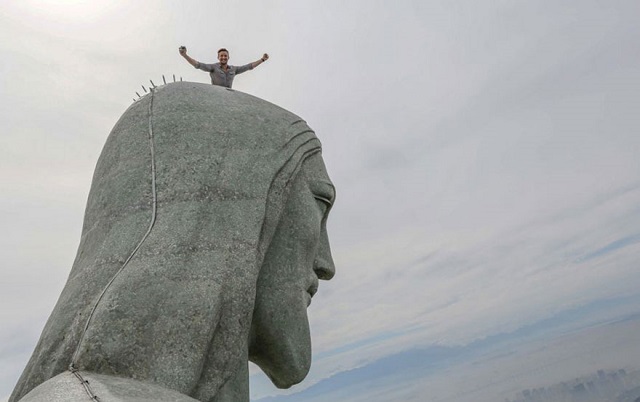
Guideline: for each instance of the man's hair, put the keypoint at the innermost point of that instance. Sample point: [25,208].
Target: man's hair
[223,50]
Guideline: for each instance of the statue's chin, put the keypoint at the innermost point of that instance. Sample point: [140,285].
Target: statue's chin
[287,379]
[280,344]
[286,364]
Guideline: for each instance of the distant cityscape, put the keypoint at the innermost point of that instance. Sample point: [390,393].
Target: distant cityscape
[602,386]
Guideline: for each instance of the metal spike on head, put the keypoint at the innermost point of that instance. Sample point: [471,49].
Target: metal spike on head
[174,78]
[144,89]
[163,80]
[154,85]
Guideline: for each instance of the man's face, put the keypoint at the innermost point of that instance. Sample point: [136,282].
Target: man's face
[223,57]
[298,256]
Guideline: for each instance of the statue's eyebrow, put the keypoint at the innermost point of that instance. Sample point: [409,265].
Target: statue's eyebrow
[323,189]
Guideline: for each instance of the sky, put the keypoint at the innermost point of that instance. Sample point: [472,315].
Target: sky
[485,156]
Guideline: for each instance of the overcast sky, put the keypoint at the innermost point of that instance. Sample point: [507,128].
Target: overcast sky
[485,155]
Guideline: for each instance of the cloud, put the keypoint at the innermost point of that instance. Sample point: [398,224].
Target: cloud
[611,247]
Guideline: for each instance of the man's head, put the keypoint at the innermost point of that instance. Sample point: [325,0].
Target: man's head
[223,56]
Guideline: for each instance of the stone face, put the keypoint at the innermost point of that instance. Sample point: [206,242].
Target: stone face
[204,238]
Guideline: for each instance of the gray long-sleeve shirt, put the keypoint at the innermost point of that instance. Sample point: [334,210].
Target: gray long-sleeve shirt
[220,76]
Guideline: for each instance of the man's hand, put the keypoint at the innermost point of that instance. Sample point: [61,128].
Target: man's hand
[264,58]
[183,53]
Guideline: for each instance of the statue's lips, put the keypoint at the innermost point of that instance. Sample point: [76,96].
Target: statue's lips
[311,291]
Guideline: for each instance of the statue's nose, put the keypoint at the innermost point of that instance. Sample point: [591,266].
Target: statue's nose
[323,265]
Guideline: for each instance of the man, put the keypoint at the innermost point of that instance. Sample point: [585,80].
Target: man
[222,73]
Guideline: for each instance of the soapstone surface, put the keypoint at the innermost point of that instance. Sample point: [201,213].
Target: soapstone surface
[65,387]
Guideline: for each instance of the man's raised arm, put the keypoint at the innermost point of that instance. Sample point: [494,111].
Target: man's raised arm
[256,63]
[183,53]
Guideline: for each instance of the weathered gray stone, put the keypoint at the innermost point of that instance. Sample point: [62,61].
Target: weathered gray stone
[221,272]
[65,387]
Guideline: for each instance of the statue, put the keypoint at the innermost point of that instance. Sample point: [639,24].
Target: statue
[203,242]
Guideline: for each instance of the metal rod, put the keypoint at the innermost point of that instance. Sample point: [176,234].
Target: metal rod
[154,85]
[145,89]
[165,81]
[174,78]
[180,78]
[138,94]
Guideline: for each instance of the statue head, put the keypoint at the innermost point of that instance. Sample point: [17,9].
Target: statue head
[203,243]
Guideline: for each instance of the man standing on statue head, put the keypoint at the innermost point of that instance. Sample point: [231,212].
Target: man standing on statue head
[222,73]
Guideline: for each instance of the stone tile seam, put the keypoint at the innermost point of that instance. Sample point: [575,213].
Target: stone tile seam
[72,365]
